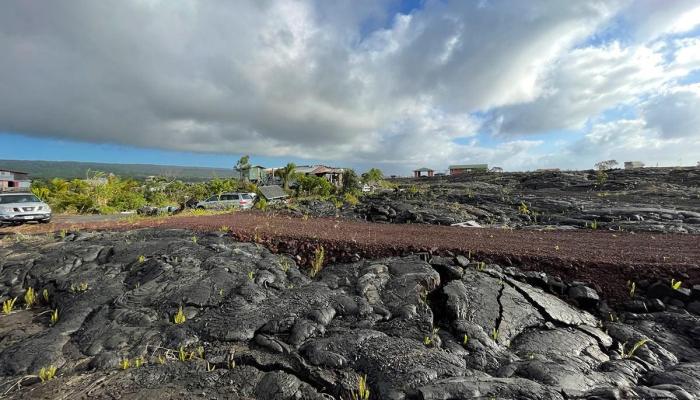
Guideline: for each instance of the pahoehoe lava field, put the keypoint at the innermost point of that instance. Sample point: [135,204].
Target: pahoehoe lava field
[533,305]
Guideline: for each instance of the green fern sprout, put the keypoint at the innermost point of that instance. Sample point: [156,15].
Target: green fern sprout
[194,239]
[317,262]
[124,364]
[676,284]
[45,294]
[183,355]
[139,361]
[29,297]
[54,317]
[284,264]
[632,287]
[634,348]
[251,275]
[142,259]
[362,392]
[179,317]
[8,305]
[47,373]
[495,335]
[465,340]
[80,287]
[523,209]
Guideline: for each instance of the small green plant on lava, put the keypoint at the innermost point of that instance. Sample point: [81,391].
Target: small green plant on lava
[523,209]
[495,335]
[139,361]
[80,287]
[183,355]
[639,344]
[29,297]
[47,373]
[8,305]
[317,262]
[179,317]
[362,392]
[632,286]
[430,340]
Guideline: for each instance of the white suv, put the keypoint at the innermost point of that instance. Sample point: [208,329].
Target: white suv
[227,200]
[17,208]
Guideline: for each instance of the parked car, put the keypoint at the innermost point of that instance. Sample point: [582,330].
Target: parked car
[227,200]
[18,208]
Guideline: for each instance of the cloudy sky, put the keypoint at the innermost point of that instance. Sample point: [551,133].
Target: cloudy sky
[387,83]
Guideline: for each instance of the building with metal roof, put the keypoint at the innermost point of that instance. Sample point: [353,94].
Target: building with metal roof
[417,173]
[465,168]
[273,193]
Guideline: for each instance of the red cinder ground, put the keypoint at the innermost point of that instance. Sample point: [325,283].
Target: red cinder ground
[604,258]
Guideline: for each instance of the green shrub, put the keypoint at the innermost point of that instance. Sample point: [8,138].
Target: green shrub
[261,204]
[351,199]
[315,185]
[351,182]
[101,193]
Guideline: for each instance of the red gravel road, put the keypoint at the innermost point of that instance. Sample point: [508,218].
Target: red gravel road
[606,259]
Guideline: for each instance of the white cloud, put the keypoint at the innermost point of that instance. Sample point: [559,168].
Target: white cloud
[650,19]
[687,55]
[624,140]
[582,84]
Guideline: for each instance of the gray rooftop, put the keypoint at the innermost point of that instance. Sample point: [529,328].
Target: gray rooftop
[272,192]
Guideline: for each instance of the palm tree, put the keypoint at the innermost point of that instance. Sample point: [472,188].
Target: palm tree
[286,173]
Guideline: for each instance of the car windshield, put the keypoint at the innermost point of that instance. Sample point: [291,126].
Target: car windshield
[19,198]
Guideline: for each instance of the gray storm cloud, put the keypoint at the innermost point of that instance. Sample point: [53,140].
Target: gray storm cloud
[346,80]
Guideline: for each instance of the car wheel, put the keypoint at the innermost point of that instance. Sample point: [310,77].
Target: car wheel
[200,208]
[45,221]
